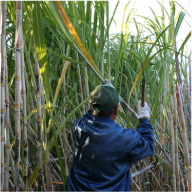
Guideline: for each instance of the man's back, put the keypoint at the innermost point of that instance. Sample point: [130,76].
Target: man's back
[105,153]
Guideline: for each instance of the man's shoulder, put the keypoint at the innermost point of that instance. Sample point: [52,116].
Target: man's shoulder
[77,121]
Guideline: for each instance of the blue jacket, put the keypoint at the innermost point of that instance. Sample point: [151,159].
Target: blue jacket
[105,152]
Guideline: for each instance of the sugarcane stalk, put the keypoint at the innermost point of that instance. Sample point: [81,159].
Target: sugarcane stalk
[186,98]
[17,92]
[31,104]
[129,108]
[0,84]
[163,150]
[24,115]
[80,84]
[39,123]
[65,84]
[174,104]
[172,151]
[189,86]
[12,164]
[3,65]
[65,149]
[80,87]
[182,184]
[87,86]
[63,142]
[178,68]
[27,55]
[68,75]
[137,173]
[7,132]
[179,175]
[186,112]
[187,82]
[184,137]
[102,63]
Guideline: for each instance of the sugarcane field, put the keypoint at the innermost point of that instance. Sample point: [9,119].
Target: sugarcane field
[95,95]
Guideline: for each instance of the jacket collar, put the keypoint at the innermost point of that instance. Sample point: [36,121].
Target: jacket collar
[90,116]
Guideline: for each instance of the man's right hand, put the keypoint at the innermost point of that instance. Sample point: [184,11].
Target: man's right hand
[143,112]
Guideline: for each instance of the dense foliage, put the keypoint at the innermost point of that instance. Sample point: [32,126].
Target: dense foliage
[68,50]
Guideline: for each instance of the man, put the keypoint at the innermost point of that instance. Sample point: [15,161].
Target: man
[105,151]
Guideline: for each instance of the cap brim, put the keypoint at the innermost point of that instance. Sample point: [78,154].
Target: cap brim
[120,99]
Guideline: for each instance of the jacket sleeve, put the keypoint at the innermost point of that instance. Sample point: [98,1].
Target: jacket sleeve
[145,144]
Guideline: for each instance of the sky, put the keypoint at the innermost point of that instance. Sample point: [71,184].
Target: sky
[141,7]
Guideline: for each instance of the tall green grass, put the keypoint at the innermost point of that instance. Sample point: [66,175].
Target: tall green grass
[75,53]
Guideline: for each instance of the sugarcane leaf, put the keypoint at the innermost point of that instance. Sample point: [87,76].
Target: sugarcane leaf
[179,21]
[162,162]
[94,36]
[129,17]
[35,172]
[150,50]
[167,101]
[60,81]
[11,80]
[29,66]
[156,17]
[141,71]
[147,60]
[12,143]
[57,38]
[118,59]
[51,142]
[54,182]
[60,159]
[46,106]
[33,177]
[65,57]
[58,88]
[185,41]
[123,116]
[76,37]
[41,48]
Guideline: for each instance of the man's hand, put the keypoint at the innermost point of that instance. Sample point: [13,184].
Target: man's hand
[143,112]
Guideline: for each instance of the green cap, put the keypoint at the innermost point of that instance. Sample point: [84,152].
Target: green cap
[104,98]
